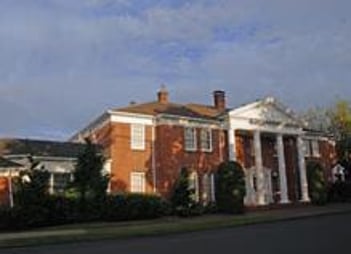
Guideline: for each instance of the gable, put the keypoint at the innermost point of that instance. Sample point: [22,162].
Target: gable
[268,111]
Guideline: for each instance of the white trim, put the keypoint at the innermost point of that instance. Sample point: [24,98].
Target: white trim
[316,152]
[135,143]
[207,130]
[132,185]
[213,187]
[194,180]
[153,159]
[131,119]
[187,119]
[96,124]
[267,101]
[45,158]
[194,139]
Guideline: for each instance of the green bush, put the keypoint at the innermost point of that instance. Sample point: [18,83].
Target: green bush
[135,207]
[181,198]
[230,187]
[316,183]
[339,192]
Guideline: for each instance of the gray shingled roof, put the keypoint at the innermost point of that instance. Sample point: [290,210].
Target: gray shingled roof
[39,148]
[4,163]
[188,110]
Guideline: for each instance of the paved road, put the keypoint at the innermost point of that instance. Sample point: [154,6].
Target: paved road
[330,234]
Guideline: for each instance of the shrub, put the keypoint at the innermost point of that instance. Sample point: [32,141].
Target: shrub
[230,187]
[182,200]
[135,207]
[339,191]
[316,183]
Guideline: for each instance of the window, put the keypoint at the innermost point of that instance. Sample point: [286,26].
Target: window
[206,140]
[59,182]
[307,147]
[137,137]
[194,186]
[190,139]
[208,194]
[137,182]
[315,148]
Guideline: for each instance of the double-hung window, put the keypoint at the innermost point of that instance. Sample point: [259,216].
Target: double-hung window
[315,148]
[307,148]
[208,194]
[137,136]
[206,140]
[137,182]
[190,139]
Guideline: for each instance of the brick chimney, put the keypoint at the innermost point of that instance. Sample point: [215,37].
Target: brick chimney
[162,95]
[219,100]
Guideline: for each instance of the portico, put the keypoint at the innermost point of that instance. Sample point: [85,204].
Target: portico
[269,126]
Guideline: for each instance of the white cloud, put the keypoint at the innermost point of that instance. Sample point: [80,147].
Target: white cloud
[79,57]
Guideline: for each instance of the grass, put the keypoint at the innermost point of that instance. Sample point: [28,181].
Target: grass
[104,231]
[164,226]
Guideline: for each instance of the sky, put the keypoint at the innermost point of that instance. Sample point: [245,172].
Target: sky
[64,62]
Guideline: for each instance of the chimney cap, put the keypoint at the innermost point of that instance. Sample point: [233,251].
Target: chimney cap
[162,95]
[219,100]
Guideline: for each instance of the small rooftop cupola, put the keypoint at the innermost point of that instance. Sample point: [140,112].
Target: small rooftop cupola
[219,100]
[162,95]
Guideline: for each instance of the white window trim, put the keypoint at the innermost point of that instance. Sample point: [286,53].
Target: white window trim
[135,145]
[211,145]
[307,147]
[132,186]
[315,148]
[194,148]
[208,181]
[213,186]
[194,177]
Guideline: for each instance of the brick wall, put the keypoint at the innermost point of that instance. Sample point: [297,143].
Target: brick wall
[171,155]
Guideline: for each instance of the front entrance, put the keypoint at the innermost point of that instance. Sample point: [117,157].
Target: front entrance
[251,186]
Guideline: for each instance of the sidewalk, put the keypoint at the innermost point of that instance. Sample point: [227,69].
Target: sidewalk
[169,225]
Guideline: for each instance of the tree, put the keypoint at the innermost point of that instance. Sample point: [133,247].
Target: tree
[230,187]
[32,185]
[336,121]
[317,119]
[340,126]
[89,179]
[181,198]
[316,183]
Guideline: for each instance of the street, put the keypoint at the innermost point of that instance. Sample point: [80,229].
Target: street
[327,234]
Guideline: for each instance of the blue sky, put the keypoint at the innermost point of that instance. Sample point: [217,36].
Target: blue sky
[64,62]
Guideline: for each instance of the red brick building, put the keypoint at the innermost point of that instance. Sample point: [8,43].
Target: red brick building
[148,144]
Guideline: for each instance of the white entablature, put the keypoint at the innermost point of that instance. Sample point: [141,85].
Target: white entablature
[266,115]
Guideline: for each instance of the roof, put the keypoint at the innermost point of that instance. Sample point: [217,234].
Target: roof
[4,163]
[39,148]
[189,110]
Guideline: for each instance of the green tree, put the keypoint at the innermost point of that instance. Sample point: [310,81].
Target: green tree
[90,181]
[181,198]
[32,185]
[230,187]
[316,183]
[340,126]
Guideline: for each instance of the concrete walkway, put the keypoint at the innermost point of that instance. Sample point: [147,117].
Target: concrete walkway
[164,225]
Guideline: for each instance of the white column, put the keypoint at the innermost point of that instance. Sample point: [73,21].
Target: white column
[260,181]
[282,170]
[51,183]
[302,167]
[232,144]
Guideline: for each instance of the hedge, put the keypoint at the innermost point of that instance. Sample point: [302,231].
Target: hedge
[61,210]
